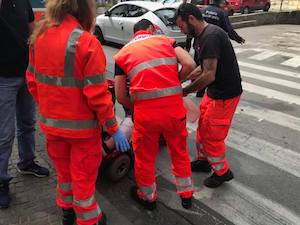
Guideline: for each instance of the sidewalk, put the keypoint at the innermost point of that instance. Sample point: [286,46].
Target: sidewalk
[33,199]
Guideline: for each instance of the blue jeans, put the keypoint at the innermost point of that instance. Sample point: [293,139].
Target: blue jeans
[17,108]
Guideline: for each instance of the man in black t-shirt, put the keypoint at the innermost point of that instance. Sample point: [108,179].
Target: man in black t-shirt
[219,72]
[16,23]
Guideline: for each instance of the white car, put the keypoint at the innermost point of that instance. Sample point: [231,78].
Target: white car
[116,25]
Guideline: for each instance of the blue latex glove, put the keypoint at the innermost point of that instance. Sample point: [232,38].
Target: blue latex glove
[122,144]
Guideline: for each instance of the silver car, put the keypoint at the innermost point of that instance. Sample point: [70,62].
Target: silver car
[116,25]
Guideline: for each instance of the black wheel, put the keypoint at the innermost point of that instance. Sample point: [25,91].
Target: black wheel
[230,13]
[118,168]
[267,7]
[246,10]
[98,33]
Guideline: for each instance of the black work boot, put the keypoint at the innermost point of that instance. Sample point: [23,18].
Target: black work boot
[146,204]
[102,221]
[186,202]
[200,166]
[69,217]
[215,181]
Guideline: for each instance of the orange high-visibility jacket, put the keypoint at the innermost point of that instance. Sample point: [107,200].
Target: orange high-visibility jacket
[66,78]
[150,63]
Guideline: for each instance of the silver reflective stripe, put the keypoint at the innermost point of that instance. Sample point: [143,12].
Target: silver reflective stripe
[70,52]
[95,79]
[156,93]
[85,203]
[111,122]
[59,81]
[216,159]
[150,64]
[66,199]
[89,215]
[31,68]
[148,192]
[69,81]
[218,166]
[69,124]
[65,187]
[184,184]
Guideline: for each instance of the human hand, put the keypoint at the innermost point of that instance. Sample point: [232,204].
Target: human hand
[122,144]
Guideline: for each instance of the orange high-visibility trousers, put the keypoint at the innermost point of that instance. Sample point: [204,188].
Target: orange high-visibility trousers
[214,123]
[149,124]
[76,162]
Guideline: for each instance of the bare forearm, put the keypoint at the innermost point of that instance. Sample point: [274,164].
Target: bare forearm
[201,82]
[126,102]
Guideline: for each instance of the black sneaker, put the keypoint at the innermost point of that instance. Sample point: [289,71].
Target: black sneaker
[146,204]
[4,195]
[200,166]
[34,169]
[186,202]
[102,221]
[69,217]
[215,181]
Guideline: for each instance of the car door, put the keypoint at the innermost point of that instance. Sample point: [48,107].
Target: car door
[134,14]
[113,29]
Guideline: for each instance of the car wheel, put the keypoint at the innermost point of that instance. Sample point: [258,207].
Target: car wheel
[119,167]
[267,7]
[230,13]
[98,33]
[246,10]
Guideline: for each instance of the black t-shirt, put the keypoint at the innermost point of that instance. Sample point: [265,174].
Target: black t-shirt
[15,15]
[214,43]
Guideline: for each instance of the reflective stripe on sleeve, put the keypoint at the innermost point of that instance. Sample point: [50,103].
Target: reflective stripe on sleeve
[69,124]
[150,64]
[156,93]
[110,123]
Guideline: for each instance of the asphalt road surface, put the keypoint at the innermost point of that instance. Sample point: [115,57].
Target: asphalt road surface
[263,146]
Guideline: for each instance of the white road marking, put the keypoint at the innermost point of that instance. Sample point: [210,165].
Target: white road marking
[243,205]
[269,69]
[272,116]
[272,80]
[262,150]
[270,93]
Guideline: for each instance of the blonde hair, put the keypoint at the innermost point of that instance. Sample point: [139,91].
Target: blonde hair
[56,10]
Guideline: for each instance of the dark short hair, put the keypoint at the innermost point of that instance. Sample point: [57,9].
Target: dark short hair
[143,24]
[185,10]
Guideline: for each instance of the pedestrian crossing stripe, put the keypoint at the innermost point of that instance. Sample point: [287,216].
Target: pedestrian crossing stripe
[263,54]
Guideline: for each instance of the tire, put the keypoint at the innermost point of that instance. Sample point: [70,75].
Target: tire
[266,8]
[118,168]
[98,33]
[230,13]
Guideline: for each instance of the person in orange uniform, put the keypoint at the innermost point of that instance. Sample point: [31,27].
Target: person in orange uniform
[218,70]
[66,78]
[150,62]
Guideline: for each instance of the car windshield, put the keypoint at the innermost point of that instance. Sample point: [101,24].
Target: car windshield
[166,15]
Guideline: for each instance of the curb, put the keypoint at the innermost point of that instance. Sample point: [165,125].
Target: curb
[265,18]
